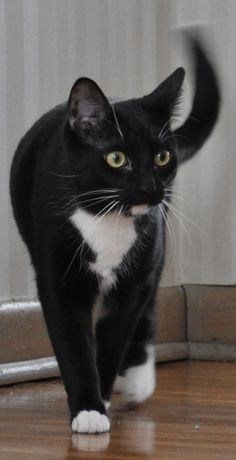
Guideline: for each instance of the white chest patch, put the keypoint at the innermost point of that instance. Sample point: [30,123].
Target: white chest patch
[110,238]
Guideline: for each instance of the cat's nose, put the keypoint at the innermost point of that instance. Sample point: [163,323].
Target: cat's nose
[146,184]
[148,196]
[146,191]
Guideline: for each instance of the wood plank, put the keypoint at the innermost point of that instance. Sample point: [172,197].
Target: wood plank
[192,415]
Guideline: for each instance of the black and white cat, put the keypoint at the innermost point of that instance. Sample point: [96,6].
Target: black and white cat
[89,188]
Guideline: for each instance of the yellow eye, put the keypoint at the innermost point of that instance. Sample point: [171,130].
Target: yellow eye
[162,158]
[116,159]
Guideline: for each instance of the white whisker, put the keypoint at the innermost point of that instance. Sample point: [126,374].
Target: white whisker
[75,198]
[96,221]
[185,217]
[179,188]
[92,192]
[71,262]
[112,205]
[195,119]
[174,196]
[162,133]
[174,135]
[97,200]
[180,222]
[163,127]
[178,194]
[117,122]
[169,229]
[116,223]
[64,176]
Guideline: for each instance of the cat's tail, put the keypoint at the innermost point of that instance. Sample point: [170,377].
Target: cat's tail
[206,102]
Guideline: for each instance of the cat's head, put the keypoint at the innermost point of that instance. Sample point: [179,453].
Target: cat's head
[126,154]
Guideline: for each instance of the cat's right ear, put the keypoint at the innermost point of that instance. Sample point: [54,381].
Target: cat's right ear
[87,106]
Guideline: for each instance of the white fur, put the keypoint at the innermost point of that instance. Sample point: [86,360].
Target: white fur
[109,238]
[107,404]
[139,381]
[98,311]
[119,384]
[90,422]
[139,209]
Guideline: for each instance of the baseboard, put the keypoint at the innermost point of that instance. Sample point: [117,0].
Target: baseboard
[44,368]
[212,352]
[172,351]
[193,322]
[24,371]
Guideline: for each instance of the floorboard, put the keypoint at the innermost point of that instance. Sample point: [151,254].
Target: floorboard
[192,415]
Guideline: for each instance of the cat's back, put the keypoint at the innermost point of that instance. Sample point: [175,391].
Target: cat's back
[23,168]
[37,135]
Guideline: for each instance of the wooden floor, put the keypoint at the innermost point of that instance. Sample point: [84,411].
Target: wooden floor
[191,416]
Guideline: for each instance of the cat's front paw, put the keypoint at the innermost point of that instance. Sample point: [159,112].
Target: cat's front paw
[90,422]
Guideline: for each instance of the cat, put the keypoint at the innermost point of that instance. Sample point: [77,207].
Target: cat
[90,184]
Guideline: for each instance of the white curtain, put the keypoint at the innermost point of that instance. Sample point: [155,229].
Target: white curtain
[127,48]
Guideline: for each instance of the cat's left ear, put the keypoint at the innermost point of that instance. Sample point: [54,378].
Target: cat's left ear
[87,106]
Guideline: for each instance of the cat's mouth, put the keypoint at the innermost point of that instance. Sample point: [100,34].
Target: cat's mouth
[139,209]
[136,210]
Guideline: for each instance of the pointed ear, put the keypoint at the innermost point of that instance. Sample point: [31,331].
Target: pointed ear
[206,104]
[87,106]
[165,97]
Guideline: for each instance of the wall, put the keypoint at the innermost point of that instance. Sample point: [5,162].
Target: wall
[127,48]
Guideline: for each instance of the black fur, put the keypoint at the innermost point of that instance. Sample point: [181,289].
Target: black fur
[61,157]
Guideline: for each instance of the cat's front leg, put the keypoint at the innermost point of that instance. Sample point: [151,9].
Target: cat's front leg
[69,323]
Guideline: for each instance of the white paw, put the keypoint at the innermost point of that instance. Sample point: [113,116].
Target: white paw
[140,381]
[90,422]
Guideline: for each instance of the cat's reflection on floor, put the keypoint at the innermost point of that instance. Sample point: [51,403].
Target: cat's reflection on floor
[134,435]
[91,442]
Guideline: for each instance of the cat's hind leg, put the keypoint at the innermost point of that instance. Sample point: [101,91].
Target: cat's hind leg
[137,377]
[139,381]
[124,341]
[114,333]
